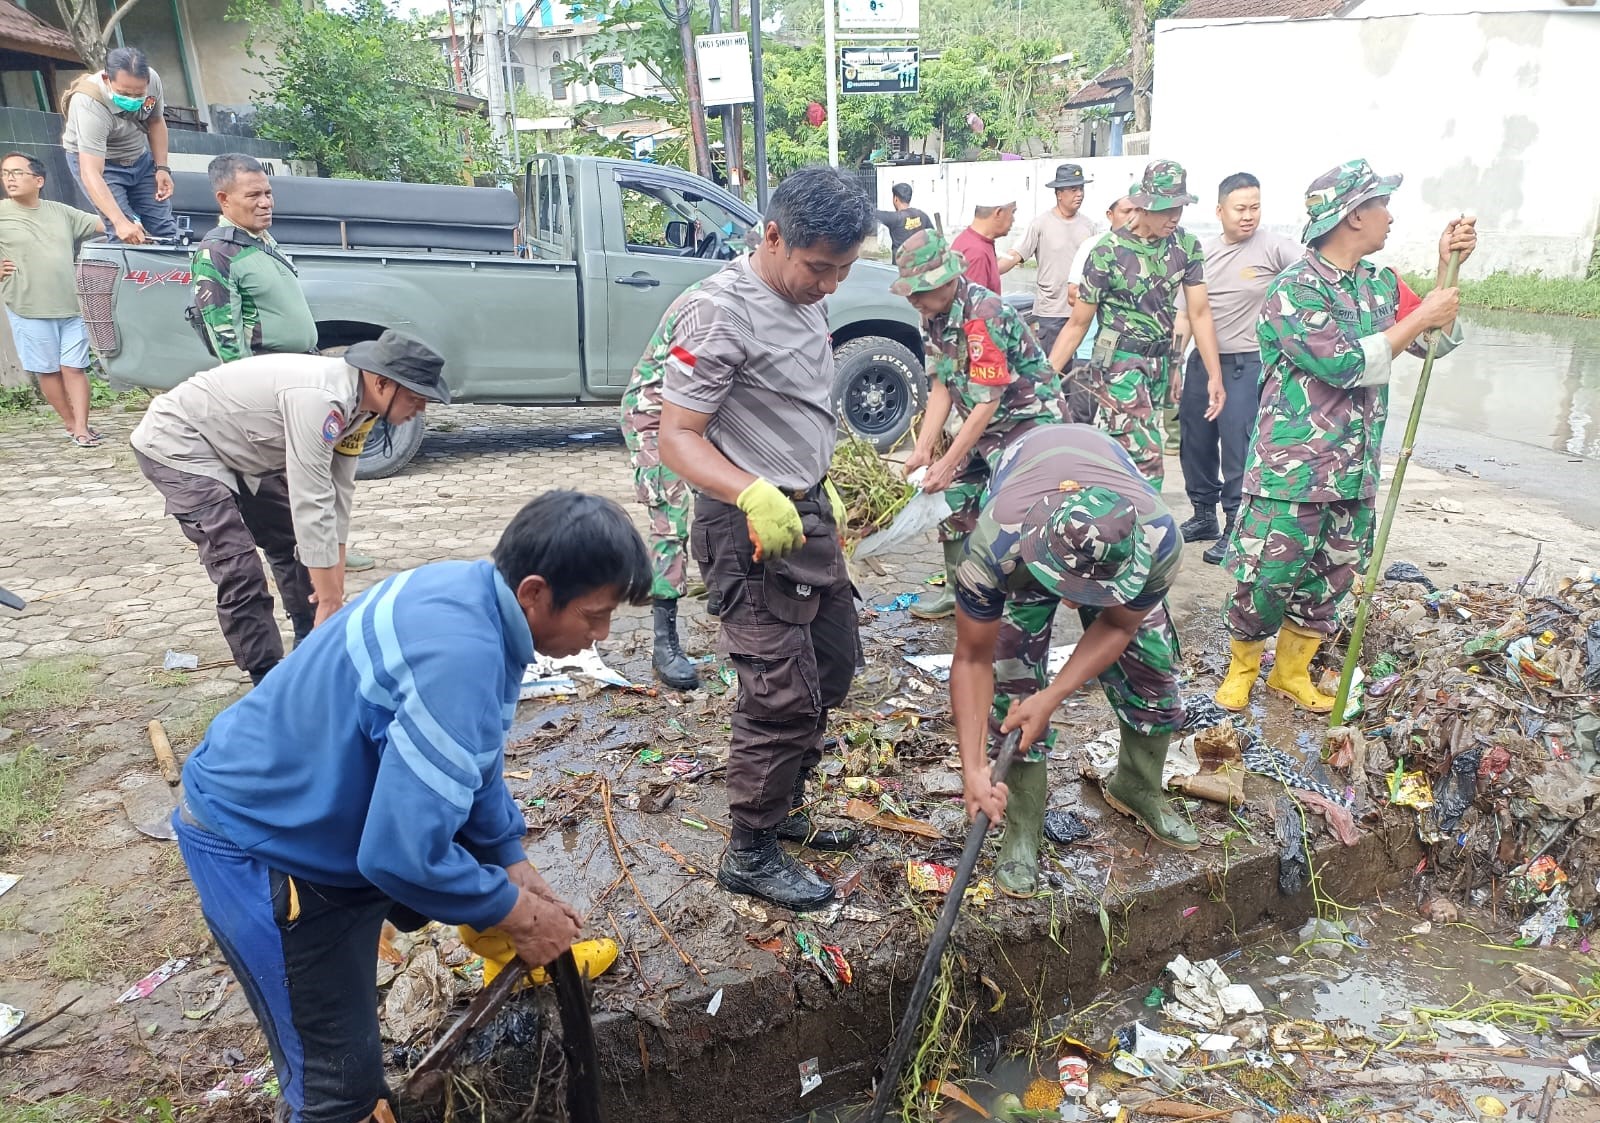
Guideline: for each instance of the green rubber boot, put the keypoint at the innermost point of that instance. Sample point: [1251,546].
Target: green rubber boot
[1135,789]
[1017,868]
[943,603]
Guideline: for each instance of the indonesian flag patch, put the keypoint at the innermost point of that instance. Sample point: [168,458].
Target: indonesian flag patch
[680,361]
[986,360]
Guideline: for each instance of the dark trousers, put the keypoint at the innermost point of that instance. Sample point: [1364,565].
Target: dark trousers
[1220,446]
[789,628]
[133,186]
[227,527]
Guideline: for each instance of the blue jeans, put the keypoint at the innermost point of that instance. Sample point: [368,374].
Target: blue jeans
[133,186]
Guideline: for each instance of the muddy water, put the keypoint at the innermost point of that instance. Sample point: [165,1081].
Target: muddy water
[1372,992]
[1523,379]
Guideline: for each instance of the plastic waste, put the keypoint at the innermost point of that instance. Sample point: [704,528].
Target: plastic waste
[1064,827]
[926,510]
[1294,860]
[1405,571]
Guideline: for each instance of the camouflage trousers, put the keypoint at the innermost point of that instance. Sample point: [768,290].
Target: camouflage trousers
[967,491]
[1294,562]
[1130,393]
[668,500]
[1142,685]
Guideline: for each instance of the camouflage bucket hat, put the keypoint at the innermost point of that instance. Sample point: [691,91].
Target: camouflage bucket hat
[1087,546]
[926,261]
[1165,185]
[1338,191]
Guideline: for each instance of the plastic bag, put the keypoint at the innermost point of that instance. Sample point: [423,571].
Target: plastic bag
[926,510]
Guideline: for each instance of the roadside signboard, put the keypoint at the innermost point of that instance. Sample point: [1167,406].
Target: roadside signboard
[896,14]
[878,70]
[725,74]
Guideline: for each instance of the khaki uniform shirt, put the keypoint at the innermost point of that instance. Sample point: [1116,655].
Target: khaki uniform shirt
[99,128]
[1055,241]
[295,414]
[1237,276]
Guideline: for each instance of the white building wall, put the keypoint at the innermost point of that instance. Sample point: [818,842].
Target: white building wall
[1491,114]
[1369,8]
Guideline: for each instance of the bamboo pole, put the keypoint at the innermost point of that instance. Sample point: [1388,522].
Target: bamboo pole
[1358,632]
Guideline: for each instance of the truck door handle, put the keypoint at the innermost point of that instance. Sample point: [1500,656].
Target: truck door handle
[639,281]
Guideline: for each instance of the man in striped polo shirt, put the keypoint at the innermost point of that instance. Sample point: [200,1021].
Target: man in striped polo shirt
[747,419]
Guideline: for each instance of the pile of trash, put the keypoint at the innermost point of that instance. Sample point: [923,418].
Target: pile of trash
[1480,716]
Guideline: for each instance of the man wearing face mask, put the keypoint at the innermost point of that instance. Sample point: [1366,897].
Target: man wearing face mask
[1130,287]
[747,419]
[253,454]
[116,142]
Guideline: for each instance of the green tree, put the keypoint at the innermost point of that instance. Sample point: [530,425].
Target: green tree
[1134,22]
[363,94]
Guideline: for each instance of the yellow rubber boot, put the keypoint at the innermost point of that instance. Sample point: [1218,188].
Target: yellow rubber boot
[1291,673]
[1244,667]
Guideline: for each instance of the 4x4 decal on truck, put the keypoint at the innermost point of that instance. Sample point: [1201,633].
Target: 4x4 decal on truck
[144,278]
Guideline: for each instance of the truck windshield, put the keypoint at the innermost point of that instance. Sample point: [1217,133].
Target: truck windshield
[666,219]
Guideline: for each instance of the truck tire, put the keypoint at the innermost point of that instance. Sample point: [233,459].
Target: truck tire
[375,464]
[878,389]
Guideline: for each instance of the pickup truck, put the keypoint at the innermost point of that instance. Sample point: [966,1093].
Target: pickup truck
[542,297]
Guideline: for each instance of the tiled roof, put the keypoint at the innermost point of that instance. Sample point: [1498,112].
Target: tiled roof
[25,32]
[1110,84]
[1277,9]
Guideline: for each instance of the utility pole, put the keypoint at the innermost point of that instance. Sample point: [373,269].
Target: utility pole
[494,70]
[733,124]
[830,47]
[455,47]
[511,98]
[691,83]
[758,110]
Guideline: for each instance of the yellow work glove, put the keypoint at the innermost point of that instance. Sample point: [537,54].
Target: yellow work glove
[774,523]
[594,957]
[836,501]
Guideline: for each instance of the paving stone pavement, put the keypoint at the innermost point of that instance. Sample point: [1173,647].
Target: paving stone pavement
[108,576]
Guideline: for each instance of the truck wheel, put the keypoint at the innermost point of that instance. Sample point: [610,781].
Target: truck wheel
[878,388]
[375,464]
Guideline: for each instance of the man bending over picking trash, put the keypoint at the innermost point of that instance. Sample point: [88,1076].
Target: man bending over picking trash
[362,781]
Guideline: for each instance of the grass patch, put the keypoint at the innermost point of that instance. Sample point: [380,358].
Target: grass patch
[30,787]
[93,937]
[49,684]
[188,731]
[26,398]
[1524,292]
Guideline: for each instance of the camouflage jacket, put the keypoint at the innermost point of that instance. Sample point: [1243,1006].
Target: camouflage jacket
[249,297]
[982,351]
[641,401]
[1134,284]
[1324,397]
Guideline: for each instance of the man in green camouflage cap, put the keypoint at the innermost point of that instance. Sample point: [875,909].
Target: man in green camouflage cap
[983,361]
[1329,331]
[1069,520]
[1130,289]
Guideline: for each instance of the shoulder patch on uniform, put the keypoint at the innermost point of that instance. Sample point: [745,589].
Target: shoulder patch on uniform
[682,359]
[986,359]
[355,440]
[331,426]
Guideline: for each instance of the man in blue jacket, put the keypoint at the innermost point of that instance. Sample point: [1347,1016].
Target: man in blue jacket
[364,778]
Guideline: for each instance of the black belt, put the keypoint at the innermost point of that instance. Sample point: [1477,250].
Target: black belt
[1149,348]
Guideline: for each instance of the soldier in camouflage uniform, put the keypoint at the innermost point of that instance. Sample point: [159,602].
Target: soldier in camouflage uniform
[982,360]
[1329,330]
[666,497]
[1130,289]
[1069,520]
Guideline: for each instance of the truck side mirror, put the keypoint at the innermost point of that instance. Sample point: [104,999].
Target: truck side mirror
[678,234]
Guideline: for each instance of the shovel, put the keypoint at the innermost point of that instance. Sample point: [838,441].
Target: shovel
[911,1019]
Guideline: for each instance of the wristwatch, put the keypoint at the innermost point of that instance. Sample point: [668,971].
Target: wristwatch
[163,168]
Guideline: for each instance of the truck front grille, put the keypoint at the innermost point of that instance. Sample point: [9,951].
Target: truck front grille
[96,281]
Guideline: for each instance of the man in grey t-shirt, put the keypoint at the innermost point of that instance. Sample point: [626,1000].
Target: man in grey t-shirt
[1054,238]
[116,142]
[1239,264]
[747,419]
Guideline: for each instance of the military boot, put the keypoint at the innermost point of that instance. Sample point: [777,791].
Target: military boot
[1017,868]
[944,602]
[1200,526]
[1291,671]
[798,828]
[671,665]
[1135,789]
[1219,549]
[755,865]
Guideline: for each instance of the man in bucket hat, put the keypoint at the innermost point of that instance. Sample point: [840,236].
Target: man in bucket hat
[1329,331]
[1054,237]
[982,360]
[262,452]
[1130,288]
[1069,520]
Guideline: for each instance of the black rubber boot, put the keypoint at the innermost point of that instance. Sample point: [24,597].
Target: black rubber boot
[1201,526]
[302,629]
[671,665]
[797,827]
[757,866]
[1219,549]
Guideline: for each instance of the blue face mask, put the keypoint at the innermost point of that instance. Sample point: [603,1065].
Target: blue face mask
[127,104]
